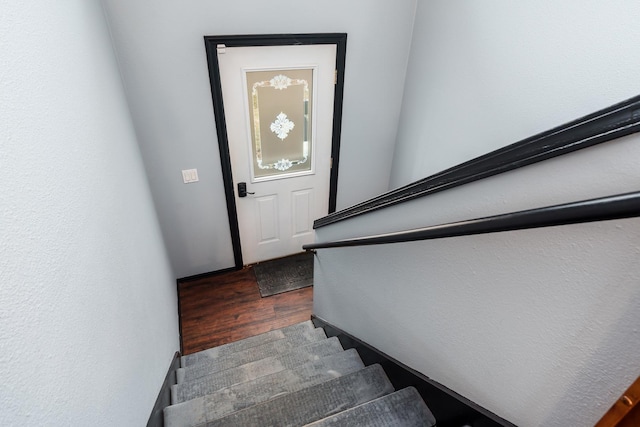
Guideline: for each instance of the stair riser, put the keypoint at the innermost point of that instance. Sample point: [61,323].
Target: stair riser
[404,408]
[207,366]
[210,383]
[228,400]
[313,403]
[234,347]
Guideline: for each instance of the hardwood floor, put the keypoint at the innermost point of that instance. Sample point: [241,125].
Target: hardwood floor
[228,307]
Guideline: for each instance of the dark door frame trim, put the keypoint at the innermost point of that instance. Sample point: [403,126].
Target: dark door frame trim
[211,43]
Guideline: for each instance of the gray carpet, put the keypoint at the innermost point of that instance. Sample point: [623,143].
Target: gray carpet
[284,274]
[223,402]
[313,403]
[289,377]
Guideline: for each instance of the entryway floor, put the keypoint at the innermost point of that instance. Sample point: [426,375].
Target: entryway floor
[228,307]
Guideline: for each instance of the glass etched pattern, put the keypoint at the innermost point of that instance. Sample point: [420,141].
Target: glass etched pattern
[280,121]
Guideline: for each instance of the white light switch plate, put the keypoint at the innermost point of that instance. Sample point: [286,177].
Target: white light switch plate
[190,175]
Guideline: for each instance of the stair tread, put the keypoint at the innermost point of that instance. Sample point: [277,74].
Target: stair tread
[250,371]
[240,396]
[404,408]
[313,403]
[233,347]
[205,365]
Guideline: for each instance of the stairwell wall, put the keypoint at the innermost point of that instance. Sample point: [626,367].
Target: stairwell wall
[88,319]
[537,326]
[482,75]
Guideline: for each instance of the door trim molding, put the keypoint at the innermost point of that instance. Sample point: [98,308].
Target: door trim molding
[211,43]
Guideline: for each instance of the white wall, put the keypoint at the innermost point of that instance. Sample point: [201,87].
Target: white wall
[598,171]
[483,75]
[162,59]
[507,319]
[538,326]
[88,319]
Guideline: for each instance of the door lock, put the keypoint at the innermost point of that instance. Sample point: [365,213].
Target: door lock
[242,189]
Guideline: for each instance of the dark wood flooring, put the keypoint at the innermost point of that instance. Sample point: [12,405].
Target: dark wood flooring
[228,307]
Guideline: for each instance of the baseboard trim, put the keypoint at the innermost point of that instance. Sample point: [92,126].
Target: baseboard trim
[449,407]
[206,275]
[156,419]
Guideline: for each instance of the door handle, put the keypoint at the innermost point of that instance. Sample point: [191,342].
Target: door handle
[242,189]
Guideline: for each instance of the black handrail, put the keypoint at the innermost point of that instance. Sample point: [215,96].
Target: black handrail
[604,125]
[600,209]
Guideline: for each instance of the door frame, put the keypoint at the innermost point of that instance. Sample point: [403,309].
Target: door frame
[211,44]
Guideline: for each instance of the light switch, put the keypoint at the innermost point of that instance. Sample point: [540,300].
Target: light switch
[190,175]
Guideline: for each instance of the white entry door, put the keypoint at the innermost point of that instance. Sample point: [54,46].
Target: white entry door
[278,103]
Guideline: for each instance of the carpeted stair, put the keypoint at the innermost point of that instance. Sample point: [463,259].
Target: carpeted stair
[293,376]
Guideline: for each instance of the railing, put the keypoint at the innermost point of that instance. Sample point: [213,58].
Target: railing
[600,209]
[604,125]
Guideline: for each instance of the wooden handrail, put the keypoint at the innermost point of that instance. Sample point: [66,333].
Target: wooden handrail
[625,412]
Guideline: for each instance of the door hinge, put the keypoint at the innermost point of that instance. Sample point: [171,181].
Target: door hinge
[335,77]
[331,164]
[221,49]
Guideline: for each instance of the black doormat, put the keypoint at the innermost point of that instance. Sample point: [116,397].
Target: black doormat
[284,274]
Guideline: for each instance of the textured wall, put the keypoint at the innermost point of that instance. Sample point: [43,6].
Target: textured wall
[538,326]
[598,171]
[482,75]
[162,59]
[545,316]
[88,321]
